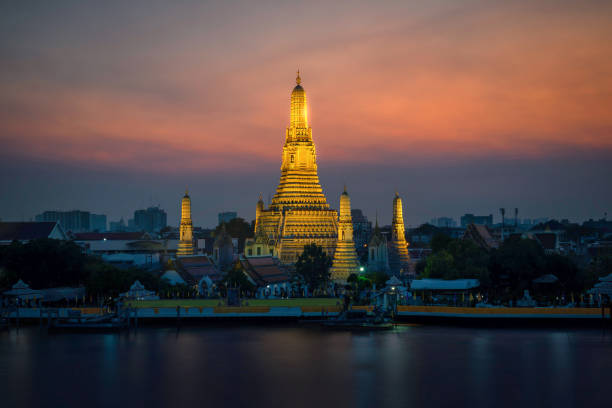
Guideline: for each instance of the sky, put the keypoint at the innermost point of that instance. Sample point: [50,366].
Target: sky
[460,106]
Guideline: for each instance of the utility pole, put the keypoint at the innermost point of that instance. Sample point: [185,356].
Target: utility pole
[515,217]
[503,213]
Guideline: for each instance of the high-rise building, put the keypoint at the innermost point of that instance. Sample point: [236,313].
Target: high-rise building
[399,258]
[97,222]
[444,222]
[468,219]
[185,246]
[227,216]
[153,219]
[74,221]
[117,226]
[298,214]
[345,260]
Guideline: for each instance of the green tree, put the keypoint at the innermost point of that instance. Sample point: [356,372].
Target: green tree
[440,242]
[237,228]
[312,267]
[514,265]
[440,265]
[45,263]
[236,278]
[377,278]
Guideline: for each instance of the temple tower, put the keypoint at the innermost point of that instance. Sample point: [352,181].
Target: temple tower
[298,214]
[399,259]
[345,261]
[258,212]
[185,247]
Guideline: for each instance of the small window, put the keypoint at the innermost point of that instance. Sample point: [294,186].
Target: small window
[250,251]
[292,158]
[372,254]
[258,250]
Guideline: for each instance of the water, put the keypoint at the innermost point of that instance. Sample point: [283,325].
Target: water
[280,366]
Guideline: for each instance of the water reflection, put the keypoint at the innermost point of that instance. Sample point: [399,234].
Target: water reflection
[295,366]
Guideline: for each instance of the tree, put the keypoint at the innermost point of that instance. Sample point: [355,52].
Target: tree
[440,265]
[515,264]
[237,228]
[45,263]
[455,259]
[236,278]
[312,267]
[377,278]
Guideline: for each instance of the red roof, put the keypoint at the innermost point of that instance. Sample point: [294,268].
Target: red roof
[198,267]
[265,270]
[25,231]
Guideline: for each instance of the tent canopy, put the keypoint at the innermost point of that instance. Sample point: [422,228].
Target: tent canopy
[441,284]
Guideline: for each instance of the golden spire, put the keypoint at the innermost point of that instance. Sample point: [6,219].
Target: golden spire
[299,109]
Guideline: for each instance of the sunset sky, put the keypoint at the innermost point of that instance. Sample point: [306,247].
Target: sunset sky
[460,106]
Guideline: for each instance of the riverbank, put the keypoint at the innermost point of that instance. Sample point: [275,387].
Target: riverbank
[185,313]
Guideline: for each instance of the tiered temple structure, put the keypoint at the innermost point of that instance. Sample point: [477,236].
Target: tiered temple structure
[185,246]
[345,260]
[298,214]
[399,259]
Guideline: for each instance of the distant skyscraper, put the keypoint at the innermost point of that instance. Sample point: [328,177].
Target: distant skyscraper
[345,258]
[468,219]
[399,259]
[444,222]
[153,219]
[117,226]
[185,246]
[227,216]
[97,222]
[74,221]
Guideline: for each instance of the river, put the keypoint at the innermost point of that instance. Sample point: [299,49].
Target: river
[292,366]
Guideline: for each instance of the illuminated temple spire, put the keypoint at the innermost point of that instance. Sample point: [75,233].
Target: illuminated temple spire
[298,214]
[399,259]
[345,260]
[185,247]
[299,185]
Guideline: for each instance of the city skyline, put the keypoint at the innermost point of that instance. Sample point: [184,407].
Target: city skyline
[459,107]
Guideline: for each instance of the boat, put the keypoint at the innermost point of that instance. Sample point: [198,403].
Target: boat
[99,323]
[358,320]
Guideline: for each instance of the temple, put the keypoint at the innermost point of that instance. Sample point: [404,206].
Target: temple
[298,214]
[185,246]
[399,259]
[345,260]
[378,252]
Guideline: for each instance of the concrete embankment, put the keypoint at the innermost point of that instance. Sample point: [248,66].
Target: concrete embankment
[417,314]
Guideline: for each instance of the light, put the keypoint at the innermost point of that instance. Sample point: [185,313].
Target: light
[105,239]
[361,269]
[392,287]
